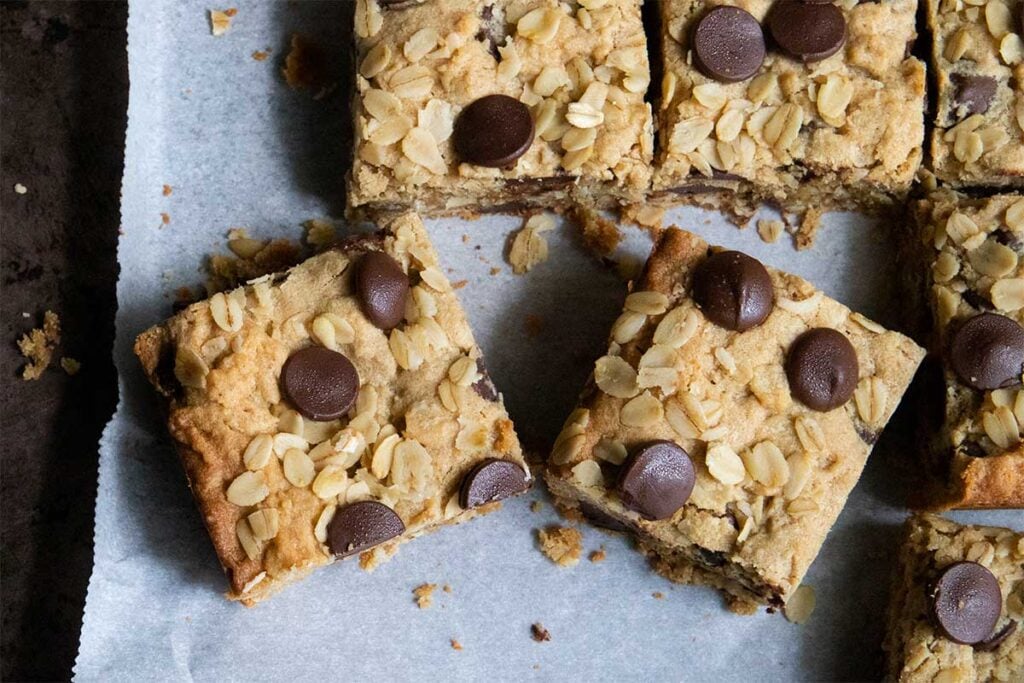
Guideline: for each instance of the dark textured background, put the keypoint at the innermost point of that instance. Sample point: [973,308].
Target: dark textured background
[64,90]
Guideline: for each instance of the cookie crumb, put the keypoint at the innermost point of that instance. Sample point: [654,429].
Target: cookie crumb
[534,325]
[599,555]
[495,271]
[536,506]
[20,189]
[658,595]
[320,233]
[800,605]
[220,20]
[539,633]
[529,248]
[809,225]
[37,346]
[446,588]
[459,284]
[305,66]
[70,365]
[600,235]
[424,595]
[456,645]
[165,218]
[261,55]
[562,544]
[769,230]
[168,190]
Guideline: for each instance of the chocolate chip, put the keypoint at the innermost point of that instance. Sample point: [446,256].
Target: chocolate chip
[987,352]
[710,558]
[822,369]
[484,387]
[599,517]
[493,131]
[490,480]
[973,93]
[810,31]
[996,639]
[966,602]
[321,384]
[733,290]
[728,44]
[382,287]
[656,480]
[362,525]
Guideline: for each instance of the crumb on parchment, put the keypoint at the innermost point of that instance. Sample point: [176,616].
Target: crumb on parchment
[20,189]
[167,190]
[261,55]
[165,218]
[446,588]
[528,247]
[220,20]
[658,595]
[599,555]
[539,633]
[562,544]
[424,594]
[536,506]
[456,645]
[37,346]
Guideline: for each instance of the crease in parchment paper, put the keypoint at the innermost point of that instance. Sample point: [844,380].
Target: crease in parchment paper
[240,149]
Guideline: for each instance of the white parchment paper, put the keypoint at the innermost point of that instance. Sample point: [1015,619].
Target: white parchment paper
[240,149]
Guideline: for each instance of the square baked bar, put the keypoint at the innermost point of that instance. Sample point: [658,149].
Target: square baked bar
[957,603]
[971,254]
[978,67]
[338,408]
[469,106]
[806,105]
[729,420]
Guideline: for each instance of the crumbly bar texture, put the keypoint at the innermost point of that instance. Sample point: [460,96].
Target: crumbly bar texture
[978,67]
[842,133]
[971,254]
[426,411]
[707,388]
[420,63]
[916,650]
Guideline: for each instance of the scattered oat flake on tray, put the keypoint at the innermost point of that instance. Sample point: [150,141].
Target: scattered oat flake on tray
[769,230]
[539,633]
[529,247]
[37,346]
[20,189]
[220,20]
[424,595]
[562,544]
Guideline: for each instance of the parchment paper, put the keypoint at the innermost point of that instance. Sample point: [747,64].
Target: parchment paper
[241,149]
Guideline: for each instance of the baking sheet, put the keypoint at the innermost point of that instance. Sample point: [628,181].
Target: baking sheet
[241,149]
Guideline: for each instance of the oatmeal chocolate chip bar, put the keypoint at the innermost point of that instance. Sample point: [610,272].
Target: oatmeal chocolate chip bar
[465,106]
[338,408]
[970,262]
[978,67]
[799,103]
[957,603]
[729,420]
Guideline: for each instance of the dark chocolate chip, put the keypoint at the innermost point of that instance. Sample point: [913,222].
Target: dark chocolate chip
[321,384]
[976,300]
[733,290]
[358,526]
[656,480]
[728,44]
[599,517]
[493,131]
[822,369]
[810,31]
[965,602]
[973,93]
[382,287]
[996,639]
[972,449]
[484,387]
[1008,238]
[490,480]
[987,352]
